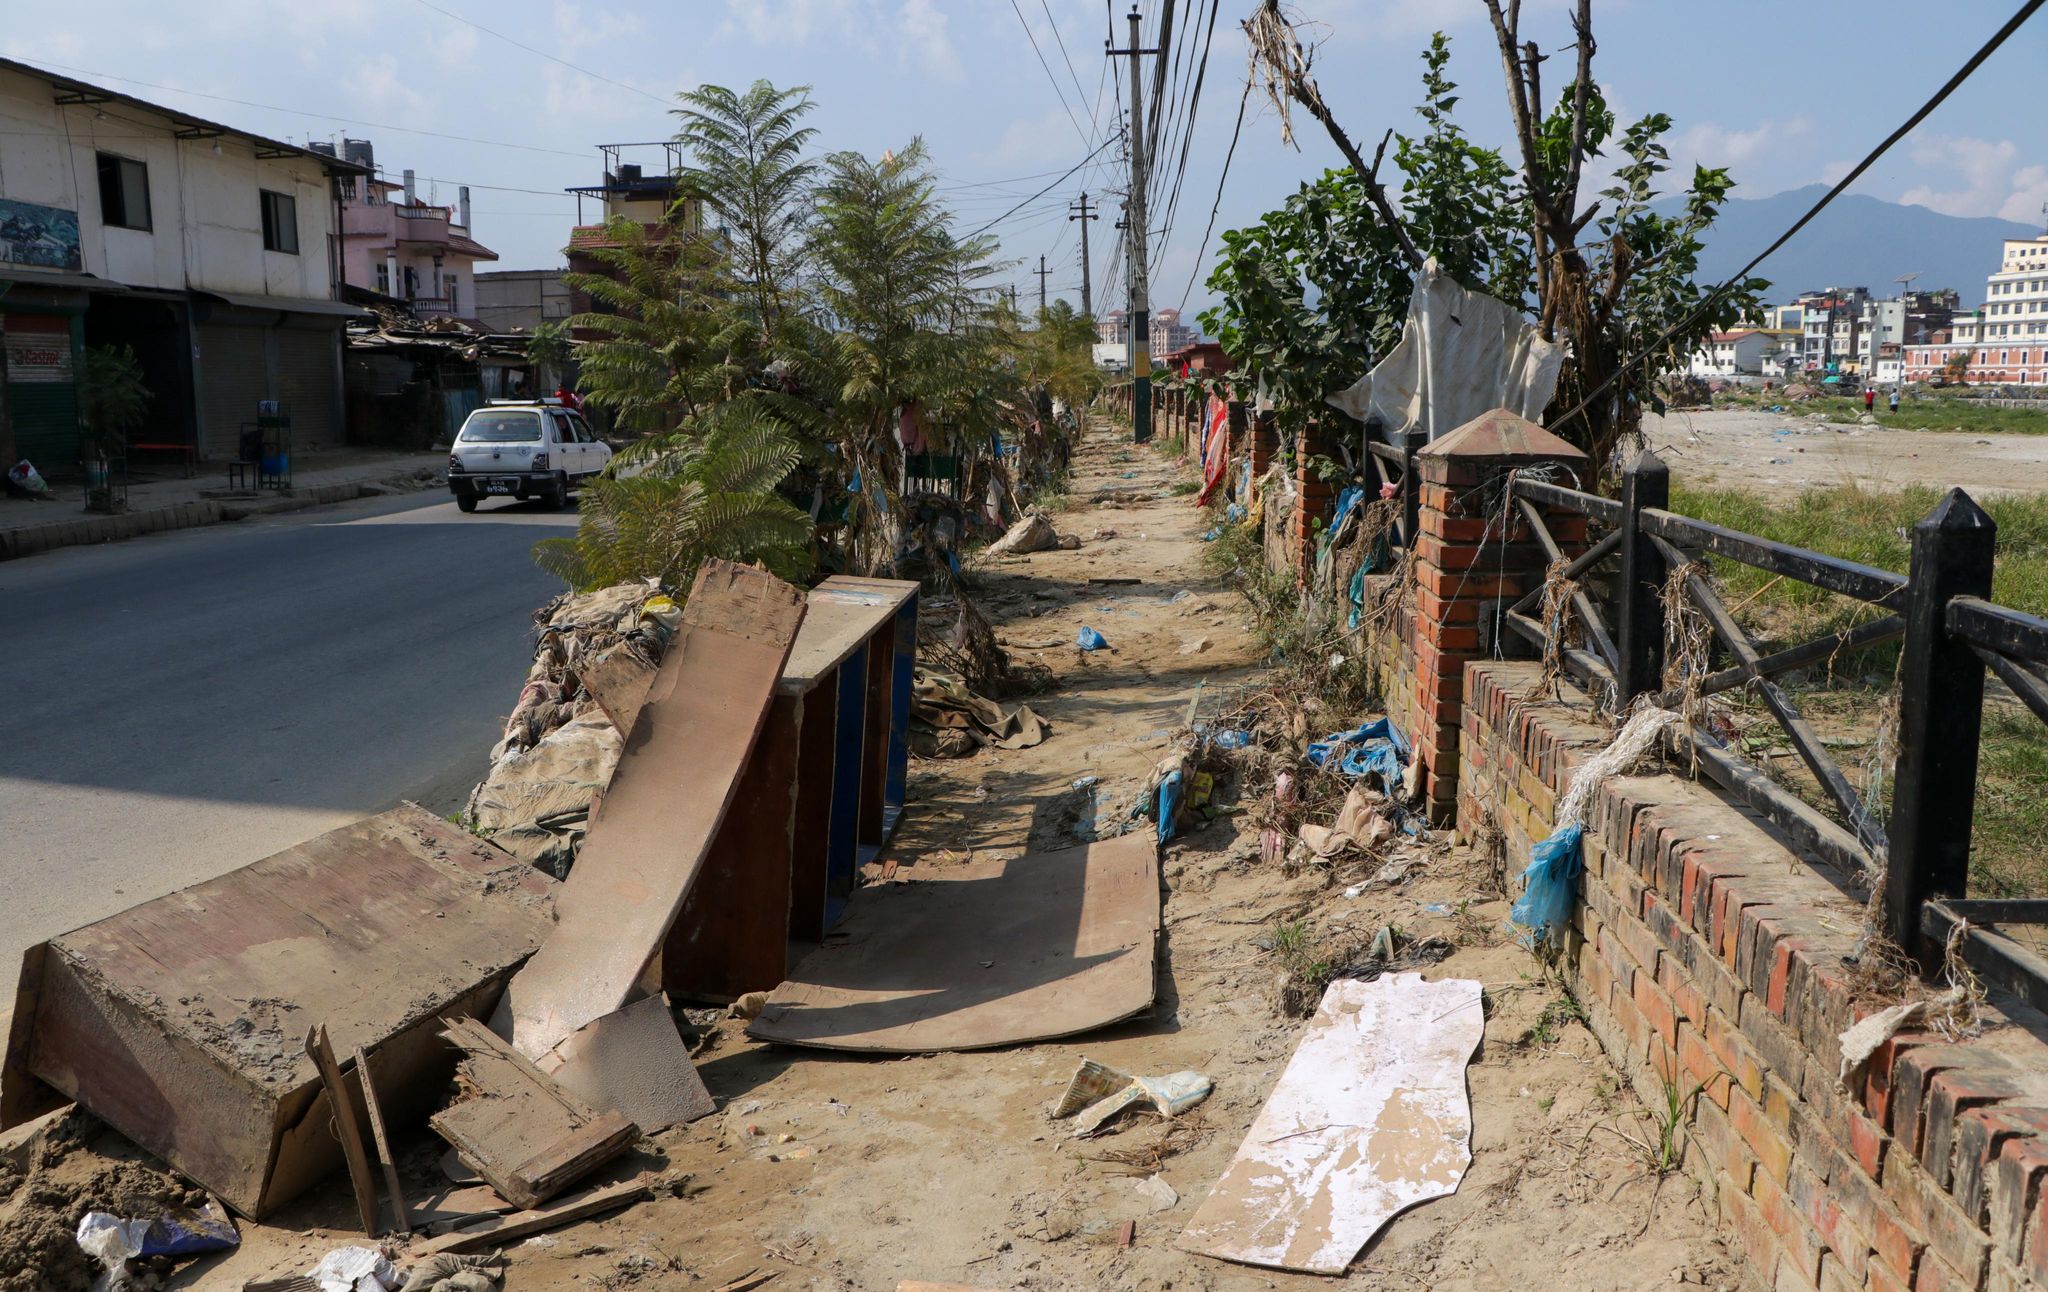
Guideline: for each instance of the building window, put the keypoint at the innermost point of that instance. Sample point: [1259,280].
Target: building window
[280,222]
[384,278]
[124,192]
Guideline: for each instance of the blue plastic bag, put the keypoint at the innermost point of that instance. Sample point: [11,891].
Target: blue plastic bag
[1551,884]
[1169,803]
[1089,639]
[1231,739]
[1374,749]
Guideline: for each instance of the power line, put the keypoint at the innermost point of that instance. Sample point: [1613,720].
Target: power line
[1204,248]
[1188,133]
[302,112]
[1075,121]
[1095,114]
[1926,109]
[1041,192]
[541,53]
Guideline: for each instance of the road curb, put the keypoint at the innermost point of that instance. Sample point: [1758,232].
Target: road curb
[27,540]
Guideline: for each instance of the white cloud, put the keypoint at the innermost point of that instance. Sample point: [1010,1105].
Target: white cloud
[581,27]
[1029,142]
[924,32]
[1970,176]
[2029,201]
[1711,144]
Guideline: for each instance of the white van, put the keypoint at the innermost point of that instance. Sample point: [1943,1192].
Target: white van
[523,449]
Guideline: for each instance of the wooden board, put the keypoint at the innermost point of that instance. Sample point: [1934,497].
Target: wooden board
[381,1137]
[842,613]
[1369,1118]
[352,1147]
[633,1063]
[990,953]
[525,1135]
[180,1021]
[500,1231]
[675,779]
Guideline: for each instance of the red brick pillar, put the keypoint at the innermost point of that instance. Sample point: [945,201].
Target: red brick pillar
[1265,443]
[1313,497]
[1472,561]
[1236,422]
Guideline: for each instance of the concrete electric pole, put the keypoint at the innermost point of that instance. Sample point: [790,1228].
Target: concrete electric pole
[1041,271]
[1087,295]
[1140,307]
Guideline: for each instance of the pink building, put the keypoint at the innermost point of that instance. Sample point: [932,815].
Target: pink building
[398,246]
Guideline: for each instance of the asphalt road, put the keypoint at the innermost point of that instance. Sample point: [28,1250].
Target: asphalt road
[179,705]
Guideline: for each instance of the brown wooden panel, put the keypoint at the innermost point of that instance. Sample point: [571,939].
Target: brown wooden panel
[874,776]
[732,936]
[810,836]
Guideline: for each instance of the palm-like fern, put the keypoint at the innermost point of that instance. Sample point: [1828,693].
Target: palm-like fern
[705,491]
[750,171]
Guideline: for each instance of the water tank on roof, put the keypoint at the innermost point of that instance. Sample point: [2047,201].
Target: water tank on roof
[629,172]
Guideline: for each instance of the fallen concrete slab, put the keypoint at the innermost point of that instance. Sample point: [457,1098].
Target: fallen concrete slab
[675,779]
[181,1022]
[986,954]
[1369,1118]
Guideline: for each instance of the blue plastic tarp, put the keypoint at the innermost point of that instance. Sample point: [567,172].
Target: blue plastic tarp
[1551,884]
[1169,803]
[1374,749]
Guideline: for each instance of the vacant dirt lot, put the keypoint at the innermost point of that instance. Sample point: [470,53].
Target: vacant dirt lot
[1781,454]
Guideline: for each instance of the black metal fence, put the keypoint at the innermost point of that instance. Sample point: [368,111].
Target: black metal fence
[1952,634]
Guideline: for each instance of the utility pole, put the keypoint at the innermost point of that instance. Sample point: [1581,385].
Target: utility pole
[1087,296]
[1140,308]
[1041,271]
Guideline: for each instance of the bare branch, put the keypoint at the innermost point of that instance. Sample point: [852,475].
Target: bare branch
[1582,26]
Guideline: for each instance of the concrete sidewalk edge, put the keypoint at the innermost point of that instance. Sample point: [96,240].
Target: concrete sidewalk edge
[27,540]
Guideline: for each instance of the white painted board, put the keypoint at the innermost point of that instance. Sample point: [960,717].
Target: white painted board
[1370,1117]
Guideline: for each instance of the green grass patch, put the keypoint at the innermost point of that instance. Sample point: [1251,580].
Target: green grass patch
[1873,527]
[1916,412]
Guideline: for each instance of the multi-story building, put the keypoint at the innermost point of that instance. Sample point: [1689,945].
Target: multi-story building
[1831,325]
[1742,352]
[400,247]
[1113,328]
[654,200]
[519,300]
[213,253]
[1167,333]
[2005,341]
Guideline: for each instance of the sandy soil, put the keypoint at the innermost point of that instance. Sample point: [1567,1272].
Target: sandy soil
[948,1167]
[1783,454]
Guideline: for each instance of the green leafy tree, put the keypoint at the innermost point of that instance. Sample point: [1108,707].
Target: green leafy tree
[113,399]
[707,490]
[750,172]
[548,351]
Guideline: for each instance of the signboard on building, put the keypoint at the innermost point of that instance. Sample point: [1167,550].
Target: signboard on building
[45,236]
[38,348]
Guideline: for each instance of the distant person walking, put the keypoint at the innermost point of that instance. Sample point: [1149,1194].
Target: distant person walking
[1870,399]
[1895,401]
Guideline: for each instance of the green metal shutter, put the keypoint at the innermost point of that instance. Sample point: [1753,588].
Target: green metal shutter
[46,424]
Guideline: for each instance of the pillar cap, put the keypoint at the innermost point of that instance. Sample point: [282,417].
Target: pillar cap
[1501,434]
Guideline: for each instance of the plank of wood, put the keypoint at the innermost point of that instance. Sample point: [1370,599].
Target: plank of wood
[458,1208]
[528,1137]
[842,613]
[675,780]
[345,1126]
[383,1143]
[501,1230]
[1369,1118]
[989,953]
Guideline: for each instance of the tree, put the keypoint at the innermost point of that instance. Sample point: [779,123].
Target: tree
[1957,369]
[705,491]
[548,351]
[750,171]
[1513,233]
[113,399]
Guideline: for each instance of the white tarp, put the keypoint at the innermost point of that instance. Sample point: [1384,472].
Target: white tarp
[1461,354]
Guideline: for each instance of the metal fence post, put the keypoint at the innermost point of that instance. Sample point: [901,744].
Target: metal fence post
[1646,482]
[1412,443]
[1941,713]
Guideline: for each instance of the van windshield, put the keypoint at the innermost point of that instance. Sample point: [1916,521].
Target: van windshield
[501,428]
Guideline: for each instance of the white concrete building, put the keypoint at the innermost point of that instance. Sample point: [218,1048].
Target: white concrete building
[2005,341]
[211,252]
[1734,354]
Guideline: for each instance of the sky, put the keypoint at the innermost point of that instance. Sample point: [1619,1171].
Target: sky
[512,97]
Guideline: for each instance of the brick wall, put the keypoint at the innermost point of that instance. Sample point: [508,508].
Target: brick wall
[1705,952]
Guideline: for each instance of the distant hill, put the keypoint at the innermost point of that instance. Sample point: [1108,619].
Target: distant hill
[1857,242]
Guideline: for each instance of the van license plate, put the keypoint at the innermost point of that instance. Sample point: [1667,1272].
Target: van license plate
[501,486]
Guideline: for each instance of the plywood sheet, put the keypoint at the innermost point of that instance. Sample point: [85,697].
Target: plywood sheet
[633,1063]
[675,779]
[990,953]
[1369,1118]
[523,1133]
[843,613]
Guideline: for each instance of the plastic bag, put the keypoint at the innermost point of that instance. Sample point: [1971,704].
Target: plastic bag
[25,476]
[1551,884]
[1373,749]
[354,1269]
[1089,639]
[1169,803]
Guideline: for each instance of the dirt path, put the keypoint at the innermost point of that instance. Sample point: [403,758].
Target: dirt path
[1782,454]
[947,1168]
